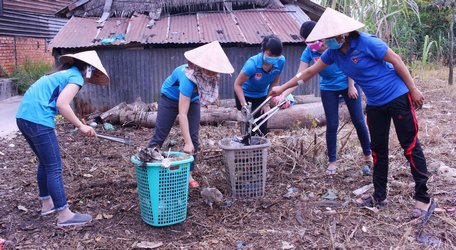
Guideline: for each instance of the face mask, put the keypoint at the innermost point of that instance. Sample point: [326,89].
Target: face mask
[203,74]
[271,60]
[315,46]
[89,71]
[332,43]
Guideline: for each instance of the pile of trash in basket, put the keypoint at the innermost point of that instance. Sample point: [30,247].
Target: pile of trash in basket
[163,177]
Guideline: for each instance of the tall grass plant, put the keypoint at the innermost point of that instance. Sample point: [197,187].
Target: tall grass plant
[28,73]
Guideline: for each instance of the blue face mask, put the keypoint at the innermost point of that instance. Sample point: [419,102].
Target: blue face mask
[332,43]
[271,60]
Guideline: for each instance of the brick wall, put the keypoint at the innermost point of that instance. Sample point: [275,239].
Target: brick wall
[14,51]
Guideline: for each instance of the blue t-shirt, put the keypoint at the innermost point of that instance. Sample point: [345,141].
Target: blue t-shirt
[258,83]
[177,83]
[364,63]
[331,78]
[39,102]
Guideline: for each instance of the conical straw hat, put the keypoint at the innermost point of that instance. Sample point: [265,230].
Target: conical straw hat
[211,57]
[99,76]
[333,23]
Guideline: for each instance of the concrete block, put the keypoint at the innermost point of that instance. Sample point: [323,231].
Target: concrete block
[8,88]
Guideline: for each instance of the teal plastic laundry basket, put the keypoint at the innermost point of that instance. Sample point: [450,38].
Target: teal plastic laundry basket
[163,192]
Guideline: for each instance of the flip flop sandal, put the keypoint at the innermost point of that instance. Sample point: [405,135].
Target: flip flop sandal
[331,171]
[366,168]
[50,211]
[193,184]
[424,215]
[369,201]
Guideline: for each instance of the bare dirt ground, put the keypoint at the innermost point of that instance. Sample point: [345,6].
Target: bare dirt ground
[100,180]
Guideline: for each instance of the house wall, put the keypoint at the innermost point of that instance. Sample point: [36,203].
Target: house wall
[25,34]
[139,72]
[14,51]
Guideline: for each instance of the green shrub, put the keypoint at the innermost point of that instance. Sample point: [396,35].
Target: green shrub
[3,72]
[28,73]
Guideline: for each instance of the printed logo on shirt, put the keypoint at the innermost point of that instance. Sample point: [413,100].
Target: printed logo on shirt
[275,71]
[355,59]
[258,76]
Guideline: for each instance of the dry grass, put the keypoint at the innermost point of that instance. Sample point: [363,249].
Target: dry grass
[297,158]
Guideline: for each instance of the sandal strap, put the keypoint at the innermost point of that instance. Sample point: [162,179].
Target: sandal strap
[417,212]
[370,201]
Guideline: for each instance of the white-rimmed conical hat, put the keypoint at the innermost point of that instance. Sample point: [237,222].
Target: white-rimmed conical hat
[99,76]
[333,23]
[211,57]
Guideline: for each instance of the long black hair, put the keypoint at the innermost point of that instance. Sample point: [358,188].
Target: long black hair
[273,44]
[64,66]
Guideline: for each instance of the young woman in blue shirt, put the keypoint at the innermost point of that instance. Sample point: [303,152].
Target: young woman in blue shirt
[49,95]
[391,95]
[189,86]
[259,74]
[334,83]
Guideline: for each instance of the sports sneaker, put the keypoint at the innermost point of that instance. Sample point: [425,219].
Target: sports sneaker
[78,219]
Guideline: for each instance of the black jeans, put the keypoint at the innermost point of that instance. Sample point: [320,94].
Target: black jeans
[379,120]
[166,115]
[255,103]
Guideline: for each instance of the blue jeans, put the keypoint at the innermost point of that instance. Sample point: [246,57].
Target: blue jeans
[330,100]
[44,144]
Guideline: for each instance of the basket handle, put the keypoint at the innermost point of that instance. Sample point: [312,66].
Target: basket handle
[173,168]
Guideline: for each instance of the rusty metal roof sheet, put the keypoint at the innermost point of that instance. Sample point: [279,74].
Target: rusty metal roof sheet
[248,27]
[253,25]
[78,32]
[219,26]
[283,25]
[182,29]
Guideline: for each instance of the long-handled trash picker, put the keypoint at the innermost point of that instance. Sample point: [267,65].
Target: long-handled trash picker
[123,140]
[251,122]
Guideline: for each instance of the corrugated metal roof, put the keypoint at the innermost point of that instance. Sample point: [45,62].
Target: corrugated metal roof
[157,32]
[297,13]
[182,29]
[248,27]
[76,32]
[49,7]
[219,26]
[283,25]
[16,23]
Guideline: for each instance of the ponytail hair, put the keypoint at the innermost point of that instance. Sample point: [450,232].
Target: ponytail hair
[306,28]
[64,66]
[273,44]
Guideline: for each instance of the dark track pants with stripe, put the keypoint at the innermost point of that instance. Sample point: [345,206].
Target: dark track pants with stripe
[379,120]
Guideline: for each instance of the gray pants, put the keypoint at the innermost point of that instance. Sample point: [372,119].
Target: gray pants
[166,115]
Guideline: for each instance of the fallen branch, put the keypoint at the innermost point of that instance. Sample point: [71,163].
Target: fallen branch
[140,114]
